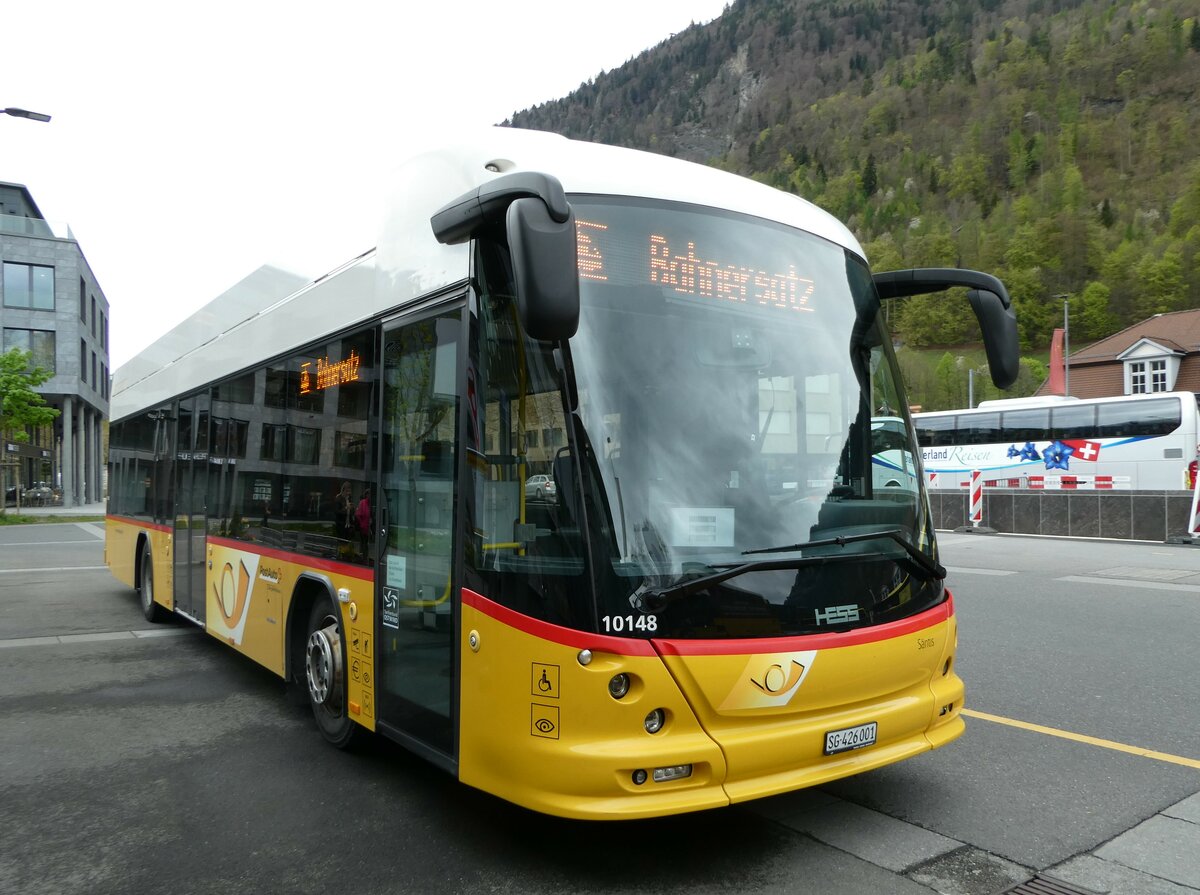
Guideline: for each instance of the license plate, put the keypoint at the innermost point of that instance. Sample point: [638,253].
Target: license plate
[850,738]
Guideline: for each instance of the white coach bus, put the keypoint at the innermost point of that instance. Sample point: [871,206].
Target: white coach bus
[1145,442]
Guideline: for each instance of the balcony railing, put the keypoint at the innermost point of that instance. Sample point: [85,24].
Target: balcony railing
[22,226]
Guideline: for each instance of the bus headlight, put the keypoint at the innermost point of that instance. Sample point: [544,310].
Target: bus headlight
[655,720]
[618,685]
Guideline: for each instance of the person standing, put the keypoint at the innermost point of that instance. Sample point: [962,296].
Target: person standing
[362,520]
[343,513]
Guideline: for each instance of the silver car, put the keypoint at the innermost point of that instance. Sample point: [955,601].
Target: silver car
[540,487]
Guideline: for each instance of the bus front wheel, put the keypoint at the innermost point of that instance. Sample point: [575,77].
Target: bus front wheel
[153,611]
[324,671]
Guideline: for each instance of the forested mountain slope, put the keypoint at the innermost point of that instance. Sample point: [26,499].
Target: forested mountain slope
[1053,142]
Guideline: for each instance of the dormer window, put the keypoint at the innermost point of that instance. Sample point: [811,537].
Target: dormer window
[1147,376]
[1150,366]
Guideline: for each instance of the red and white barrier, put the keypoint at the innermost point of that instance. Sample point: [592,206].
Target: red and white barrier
[976,514]
[1194,525]
[1053,482]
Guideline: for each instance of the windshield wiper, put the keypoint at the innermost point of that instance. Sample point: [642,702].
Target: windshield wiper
[654,599]
[929,565]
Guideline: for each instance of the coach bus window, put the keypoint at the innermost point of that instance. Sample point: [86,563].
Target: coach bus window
[329,392]
[935,431]
[979,428]
[233,407]
[524,506]
[1073,422]
[1128,419]
[1026,425]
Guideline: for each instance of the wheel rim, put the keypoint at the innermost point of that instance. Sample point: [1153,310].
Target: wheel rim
[323,667]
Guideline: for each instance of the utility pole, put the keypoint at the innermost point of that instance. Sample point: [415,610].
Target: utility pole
[1066,297]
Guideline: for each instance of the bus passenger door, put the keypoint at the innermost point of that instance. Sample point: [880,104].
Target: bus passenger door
[191,474]
[415,575]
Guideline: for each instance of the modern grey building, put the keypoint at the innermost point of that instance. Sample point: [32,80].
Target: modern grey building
[52,306]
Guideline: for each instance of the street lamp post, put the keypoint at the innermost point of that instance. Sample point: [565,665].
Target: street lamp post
[1066,297]
[25,113]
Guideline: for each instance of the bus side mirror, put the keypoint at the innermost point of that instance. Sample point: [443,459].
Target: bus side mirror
[540,228]
[1000,338]
[989,300]
[545,270]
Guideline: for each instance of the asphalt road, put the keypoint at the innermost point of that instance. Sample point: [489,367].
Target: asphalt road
[136,758]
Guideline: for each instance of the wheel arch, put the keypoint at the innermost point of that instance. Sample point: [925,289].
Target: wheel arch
[310,588]
[139,551]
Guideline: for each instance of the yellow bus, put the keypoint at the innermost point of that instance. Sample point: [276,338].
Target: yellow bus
[567,485]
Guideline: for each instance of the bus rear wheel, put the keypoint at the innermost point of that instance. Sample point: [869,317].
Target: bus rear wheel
[153,611]
[324,672]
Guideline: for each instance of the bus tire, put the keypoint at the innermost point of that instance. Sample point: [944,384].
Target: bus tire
[154,612]
[325,676]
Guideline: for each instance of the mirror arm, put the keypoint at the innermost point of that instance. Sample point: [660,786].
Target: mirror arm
[923,280]
[459,220]
[989,300]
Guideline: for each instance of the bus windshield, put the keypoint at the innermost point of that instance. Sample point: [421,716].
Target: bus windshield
[741,462]
[738,395]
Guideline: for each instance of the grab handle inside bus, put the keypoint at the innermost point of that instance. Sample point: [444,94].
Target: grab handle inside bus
[989,300]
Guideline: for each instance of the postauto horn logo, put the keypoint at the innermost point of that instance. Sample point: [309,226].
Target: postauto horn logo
[769,681]
[231,593]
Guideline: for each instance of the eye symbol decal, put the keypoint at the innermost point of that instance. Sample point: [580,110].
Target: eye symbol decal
[545,725]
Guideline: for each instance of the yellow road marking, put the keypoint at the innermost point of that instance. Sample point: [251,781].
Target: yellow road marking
[1082,738]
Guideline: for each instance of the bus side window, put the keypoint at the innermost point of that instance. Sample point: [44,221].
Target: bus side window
[1026,425]
[1073,422]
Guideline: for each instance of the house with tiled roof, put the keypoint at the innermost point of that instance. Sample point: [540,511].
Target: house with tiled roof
[1159,354]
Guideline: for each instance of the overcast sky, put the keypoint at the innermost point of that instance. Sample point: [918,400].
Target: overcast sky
[191,144]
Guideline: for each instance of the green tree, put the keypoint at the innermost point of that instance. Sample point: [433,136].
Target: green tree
[1160,284]
[20,405]
[1091,313]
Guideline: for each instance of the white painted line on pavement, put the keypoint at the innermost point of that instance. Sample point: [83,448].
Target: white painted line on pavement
[93,638]
[56,569]
[44,543]
[1131,582]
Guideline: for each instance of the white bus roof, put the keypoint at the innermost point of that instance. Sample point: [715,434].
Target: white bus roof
[1051,401]
[408,262]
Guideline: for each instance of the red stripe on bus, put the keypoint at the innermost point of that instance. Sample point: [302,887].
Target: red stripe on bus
[623,646]
[633,647]
[140,523]
[831,640]
[302,559]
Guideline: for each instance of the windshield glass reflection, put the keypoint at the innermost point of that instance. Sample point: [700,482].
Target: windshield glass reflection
[737,393]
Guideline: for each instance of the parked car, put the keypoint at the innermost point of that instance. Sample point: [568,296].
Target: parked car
[540,487]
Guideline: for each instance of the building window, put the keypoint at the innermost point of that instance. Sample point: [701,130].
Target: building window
[82,361]
[95,379]
[28,286]
[1147,376]
[1158,375]
[274,442]
[1137,378]
[82,300]
[93,316]
[38,342]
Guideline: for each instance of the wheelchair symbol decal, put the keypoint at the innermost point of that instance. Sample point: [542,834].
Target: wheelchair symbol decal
[544,680]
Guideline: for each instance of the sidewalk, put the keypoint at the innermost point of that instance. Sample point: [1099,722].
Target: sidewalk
[89,509]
